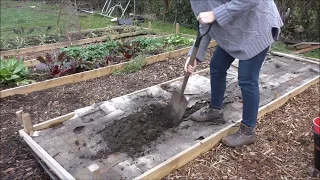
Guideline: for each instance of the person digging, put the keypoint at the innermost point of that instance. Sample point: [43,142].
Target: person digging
[244,30]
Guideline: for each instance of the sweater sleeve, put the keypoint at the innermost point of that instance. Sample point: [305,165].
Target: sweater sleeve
[204,43]
[226,12]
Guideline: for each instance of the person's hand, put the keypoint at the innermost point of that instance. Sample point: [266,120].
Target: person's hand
[206,17]
[188,68]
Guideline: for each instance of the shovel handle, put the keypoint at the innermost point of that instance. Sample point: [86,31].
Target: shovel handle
[193,55]
[197,43]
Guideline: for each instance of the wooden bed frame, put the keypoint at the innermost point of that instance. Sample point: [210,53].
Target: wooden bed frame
[165,167]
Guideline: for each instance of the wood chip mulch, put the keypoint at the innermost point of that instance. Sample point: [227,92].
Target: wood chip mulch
[284,148]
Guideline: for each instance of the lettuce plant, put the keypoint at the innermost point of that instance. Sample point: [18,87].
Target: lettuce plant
[12,71]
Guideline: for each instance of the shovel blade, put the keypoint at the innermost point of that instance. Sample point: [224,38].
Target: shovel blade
[177,107]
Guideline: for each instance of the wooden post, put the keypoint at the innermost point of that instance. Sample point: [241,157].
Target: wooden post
[177,28]
[149,25]
[27,124]
[19,116]
[95,172]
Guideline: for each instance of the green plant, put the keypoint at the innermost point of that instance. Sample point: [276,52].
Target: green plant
[12,71]
[92,52]
[177,40]
[117,72]
[129,49]
[43,35]
[169,48]
[135,64]
[21,32]
[73,51]
[60,64]
[20,42]
[132,66]
[4,43]
[151,43]
[92,35]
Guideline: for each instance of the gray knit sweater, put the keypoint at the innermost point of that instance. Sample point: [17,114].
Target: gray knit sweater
[243,28]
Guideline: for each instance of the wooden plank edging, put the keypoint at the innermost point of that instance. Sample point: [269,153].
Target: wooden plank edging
[307,49]
[65,44]
[44,156]
[52,122]
[294,57]
[87,75]
[208,143]
[66,117]
[191,153]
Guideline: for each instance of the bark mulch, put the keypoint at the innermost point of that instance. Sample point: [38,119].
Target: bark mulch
[284,149]
[17,162]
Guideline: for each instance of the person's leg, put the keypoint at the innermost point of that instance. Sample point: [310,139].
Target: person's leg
[219,64]
[248,77]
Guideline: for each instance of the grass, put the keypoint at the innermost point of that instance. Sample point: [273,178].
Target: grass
[167,28]
[93,21]
[282,47]
[313,54]
[38,16]
[31,14]
[13,18]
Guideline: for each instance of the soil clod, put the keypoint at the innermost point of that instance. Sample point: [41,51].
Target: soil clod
[76,142]
[78,129]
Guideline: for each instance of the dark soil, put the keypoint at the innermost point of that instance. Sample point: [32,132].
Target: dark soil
[16,159]
[132,134]
[284,147]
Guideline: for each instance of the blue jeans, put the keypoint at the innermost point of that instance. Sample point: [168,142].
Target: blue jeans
[248,79]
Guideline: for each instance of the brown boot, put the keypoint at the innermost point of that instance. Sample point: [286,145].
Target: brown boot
[208,114]
[244,136]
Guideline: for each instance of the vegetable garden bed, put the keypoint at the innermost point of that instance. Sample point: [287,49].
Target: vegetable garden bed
[115,34]
[67,150]
[76,64]
[30,41]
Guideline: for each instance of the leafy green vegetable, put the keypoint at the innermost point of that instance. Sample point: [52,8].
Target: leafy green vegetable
[149,43]
[60,64]
[91,52]
[12,71]
[177,39]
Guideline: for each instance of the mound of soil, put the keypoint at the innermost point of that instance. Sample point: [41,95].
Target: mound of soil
[133,133]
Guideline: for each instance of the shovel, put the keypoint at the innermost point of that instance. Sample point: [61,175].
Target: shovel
[178,102]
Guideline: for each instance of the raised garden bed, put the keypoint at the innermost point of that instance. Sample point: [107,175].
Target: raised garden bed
[70,42]
[68,144]
[43,39]
[30,59]
[67,98]
[111,63]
